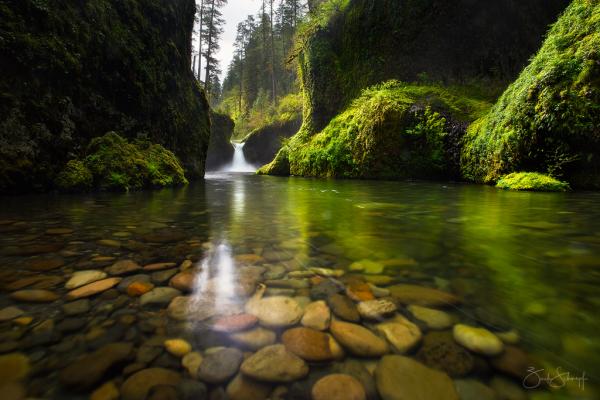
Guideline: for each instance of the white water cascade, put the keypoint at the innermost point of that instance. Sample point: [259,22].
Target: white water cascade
[239,163]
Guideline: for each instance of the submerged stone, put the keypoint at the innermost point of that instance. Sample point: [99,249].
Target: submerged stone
[274,364]
[478,340]
[220,365]
[338,387]
[358,340]
[138,385]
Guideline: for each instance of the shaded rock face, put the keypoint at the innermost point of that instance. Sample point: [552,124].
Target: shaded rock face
[263,144]
[75,72]
[220,149]
[431,40]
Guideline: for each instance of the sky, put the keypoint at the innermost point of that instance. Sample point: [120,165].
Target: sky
[234,12]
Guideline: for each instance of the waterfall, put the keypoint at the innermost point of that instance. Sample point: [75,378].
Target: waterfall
[239,163]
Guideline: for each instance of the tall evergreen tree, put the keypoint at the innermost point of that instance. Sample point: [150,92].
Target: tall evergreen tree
[211,33]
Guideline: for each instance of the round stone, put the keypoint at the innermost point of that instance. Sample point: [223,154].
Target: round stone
[317,315]
[34,296]
[309,344]
[80,278]
[137,289]
[338,387]
[274,364]
[402,334]
[9,313]
[424,296]
[159,295]
[255,338]
[235,323]
[244,388]
[123,267]
[92,288]
[219,366]
[376,309]
[184,281]
[277,311]
[440,351]
[434,319]
[191,362]
[343,307]
[138,385]
[478,340]
[358,340]
[178,347]
[13,367]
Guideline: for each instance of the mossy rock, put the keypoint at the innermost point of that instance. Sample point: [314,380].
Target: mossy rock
[220,150]
[392,131]
[531,181]
[548,120]
[280,166]
[112,163]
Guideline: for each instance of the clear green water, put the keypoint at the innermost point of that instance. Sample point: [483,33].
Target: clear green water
[527,261]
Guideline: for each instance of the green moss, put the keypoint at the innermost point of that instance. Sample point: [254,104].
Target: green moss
[74,177]
[393,130]
[113,163]
[531,181]
[280,166]
[548,120]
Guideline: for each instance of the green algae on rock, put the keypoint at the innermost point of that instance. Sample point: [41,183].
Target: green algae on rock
[548,120]
[532,181]
[113,163]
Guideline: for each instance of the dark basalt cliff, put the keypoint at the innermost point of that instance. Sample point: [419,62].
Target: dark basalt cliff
[74,70]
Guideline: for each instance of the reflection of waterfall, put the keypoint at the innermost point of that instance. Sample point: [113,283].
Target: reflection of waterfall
[239,163]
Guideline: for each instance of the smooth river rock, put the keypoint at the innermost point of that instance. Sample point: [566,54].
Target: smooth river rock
[376,309]
[423,296]
[243,388]
[255,338]
[220,365]
[80,278]
[343,307]
[277,311]
[159,296]
[402,334]
[434,319]
[235,323]
[8,313]
[317,315]
[402,378]
[123,267]
[358,340]
[34,296]
[138,385]
[92,288]
[13,367]
[274,364]
[177,347]
[310,344]
[478,340]
[338,387]
[440,351]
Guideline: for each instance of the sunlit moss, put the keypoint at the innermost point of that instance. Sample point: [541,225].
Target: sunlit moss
[531,181]
[113,163]
[548,120]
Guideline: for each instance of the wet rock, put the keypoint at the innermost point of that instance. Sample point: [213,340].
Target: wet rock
[317,315]
[376,309]
[9,313]
[281,292]
[45,264]
[275,312]
[33,249]
[107,391]
[309,344]
[87,371]
[13,367]
[81,278]
[358,340]
[159,296]
[359,291]
[433,319]
[440,351]
[343,307]
[160,277]
[138,385]
[59,231]
[288,283]
[76,307]
[249,259]
[244,388]
[514,362]
[509,336]
[109,243]
[137,289]
[69,325]
[159,266]
[274,364]
[338,387]
[235,323]
[123,267]
[163,392]
[178,347]
[327,272]
[220,365]
[255,338]
[191,362]
[124,284]
[415,380]
[368,267]
[402,334]
[423,296]
[92,288]
[326,288]
[192,390]
[277,272]
[470,389]
[34,296]
[378,292]
[184,281]
[34,282]
[357,370]
[478,340]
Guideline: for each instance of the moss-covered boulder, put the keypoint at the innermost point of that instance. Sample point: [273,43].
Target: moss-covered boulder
[220,149]
[350,45]
[112,163]
[392,131]
[531,181]
[74,70]
[262,144]
[548,120]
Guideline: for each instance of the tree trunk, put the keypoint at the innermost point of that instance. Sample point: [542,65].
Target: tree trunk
[200,40]
[274,93]
[209,50]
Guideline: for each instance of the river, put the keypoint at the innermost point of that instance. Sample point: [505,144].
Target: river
[525,263]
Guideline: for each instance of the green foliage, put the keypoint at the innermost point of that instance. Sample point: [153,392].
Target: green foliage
[548,120]
[73,71]
[531,181]
[393,130]
[74,177]
[115,164]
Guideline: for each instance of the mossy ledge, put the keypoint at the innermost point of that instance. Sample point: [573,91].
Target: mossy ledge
[531,181]
[548,120]
[74,70]
[114,164]
[392,131]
